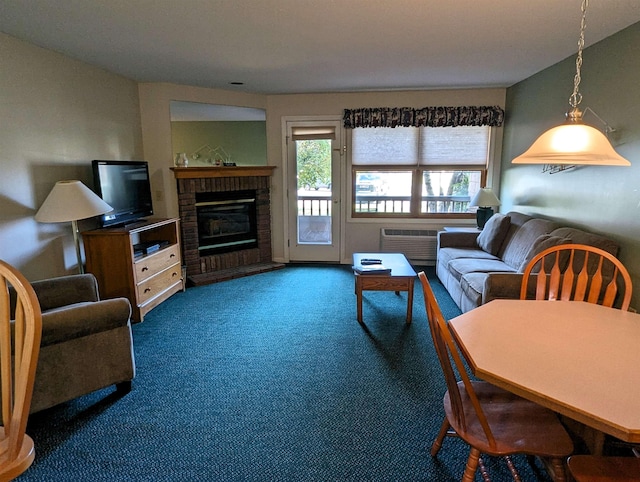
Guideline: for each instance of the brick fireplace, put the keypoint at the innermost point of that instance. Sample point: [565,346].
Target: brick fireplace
[205,265]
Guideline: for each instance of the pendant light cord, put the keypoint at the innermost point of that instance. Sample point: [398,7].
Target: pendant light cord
[576,97]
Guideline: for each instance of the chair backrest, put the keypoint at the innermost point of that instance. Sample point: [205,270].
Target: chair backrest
[578,272]
[19,349]
[447,351]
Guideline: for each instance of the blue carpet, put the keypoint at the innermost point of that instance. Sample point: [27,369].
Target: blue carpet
[267,378]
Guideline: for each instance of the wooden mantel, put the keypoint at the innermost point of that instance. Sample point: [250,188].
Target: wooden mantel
[214,171]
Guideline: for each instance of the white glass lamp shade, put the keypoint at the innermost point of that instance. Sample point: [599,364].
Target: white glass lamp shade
[71,201]
[572,143]
[485,198]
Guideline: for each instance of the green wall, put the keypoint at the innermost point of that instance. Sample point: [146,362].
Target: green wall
[601,199]
[244,141]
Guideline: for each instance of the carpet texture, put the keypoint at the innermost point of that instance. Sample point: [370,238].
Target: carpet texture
[267,378]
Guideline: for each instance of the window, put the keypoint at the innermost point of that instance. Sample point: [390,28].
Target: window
[418,171]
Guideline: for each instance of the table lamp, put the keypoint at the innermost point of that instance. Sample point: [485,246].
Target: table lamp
[485,199]
[71,201]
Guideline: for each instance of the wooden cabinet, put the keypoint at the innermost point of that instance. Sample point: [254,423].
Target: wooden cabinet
[147,279]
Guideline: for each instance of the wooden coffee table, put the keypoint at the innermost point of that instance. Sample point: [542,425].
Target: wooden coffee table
[401,278]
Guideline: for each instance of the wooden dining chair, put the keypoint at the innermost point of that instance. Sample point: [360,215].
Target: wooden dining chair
[19,348]
[595,468]
[491,420]
[577,272]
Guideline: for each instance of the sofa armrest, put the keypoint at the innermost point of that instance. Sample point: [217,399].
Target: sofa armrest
[84,319]
[502,286]
[457,239]
[66,290]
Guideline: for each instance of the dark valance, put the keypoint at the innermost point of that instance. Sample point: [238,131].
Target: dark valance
[424,117]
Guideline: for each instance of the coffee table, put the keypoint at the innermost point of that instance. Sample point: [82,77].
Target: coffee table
[401,278]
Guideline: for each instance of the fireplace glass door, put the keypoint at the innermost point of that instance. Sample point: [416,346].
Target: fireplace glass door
[226,221]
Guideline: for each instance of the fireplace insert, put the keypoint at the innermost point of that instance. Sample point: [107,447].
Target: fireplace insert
[226,221]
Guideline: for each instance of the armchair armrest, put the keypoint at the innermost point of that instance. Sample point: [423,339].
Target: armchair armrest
[66,290]
[457,239]
[82,319]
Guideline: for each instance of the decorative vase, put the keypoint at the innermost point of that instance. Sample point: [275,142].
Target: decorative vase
[181,160]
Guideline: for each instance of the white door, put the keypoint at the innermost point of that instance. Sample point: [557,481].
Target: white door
[313,184]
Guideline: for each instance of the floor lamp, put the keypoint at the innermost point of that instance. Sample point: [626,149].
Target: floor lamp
[71,201]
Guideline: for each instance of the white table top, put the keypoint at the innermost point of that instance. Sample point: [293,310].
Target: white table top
[579,359]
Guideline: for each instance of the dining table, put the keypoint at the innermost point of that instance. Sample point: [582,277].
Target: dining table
[580,359]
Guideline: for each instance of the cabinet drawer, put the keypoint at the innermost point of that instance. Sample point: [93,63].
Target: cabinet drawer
[150,265]
[158,283]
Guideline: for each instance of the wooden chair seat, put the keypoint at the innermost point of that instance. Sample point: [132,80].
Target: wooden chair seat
[518,425]
[13,467]
[594,468]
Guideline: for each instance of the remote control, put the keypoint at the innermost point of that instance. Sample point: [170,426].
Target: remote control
[370,261]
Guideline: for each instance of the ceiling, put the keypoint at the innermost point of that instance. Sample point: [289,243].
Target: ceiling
[300,46]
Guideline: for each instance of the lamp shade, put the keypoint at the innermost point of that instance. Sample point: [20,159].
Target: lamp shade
[485,198]
[70,201]
[572,143]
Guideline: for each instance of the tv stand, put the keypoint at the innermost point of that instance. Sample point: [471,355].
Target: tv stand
[147,278]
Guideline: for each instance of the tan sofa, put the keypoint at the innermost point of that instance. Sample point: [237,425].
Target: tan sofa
[478,267]
[86,342]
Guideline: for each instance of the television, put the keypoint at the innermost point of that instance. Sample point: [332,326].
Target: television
[125,186]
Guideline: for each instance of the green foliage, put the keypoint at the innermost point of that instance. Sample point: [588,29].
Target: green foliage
[314,163]
[459,184]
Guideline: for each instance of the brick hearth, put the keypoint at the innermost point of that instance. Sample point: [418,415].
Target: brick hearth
[242,262]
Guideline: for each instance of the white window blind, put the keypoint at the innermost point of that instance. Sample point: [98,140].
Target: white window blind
[468,146]
[455,145]
[304,133]
[370,146]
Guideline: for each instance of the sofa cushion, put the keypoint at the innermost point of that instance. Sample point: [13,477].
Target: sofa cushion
[542,242]
[460,267]
[493,233]
[517,246]
[447,254]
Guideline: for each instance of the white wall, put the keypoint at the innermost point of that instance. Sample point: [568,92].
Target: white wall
[57,115]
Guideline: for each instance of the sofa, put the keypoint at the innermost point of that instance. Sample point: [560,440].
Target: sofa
[477,267]
[86,342]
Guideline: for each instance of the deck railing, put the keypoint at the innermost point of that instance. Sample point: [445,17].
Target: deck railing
[314,205]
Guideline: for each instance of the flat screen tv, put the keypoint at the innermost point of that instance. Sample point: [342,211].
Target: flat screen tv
[125,186]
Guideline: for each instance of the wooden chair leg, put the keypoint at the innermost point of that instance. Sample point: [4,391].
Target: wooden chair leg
[512,469]
[472,465]
[559,473]
[437,443]
[483,470]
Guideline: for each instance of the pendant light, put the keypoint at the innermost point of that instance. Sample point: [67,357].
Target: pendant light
[573,142]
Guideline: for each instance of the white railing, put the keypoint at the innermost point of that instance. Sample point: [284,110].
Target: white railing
[314,205]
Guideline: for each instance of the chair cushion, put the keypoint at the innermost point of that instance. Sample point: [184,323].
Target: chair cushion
[494,232]
[541,243]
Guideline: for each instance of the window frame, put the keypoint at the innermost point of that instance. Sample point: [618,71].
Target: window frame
[417,172]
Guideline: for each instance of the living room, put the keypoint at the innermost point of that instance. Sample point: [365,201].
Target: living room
[61,113]
[64,112]
[90,113]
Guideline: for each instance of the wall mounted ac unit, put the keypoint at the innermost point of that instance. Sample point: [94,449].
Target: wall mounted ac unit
[418,245]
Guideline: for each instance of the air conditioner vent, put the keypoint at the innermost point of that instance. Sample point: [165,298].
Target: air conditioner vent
[419,245]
